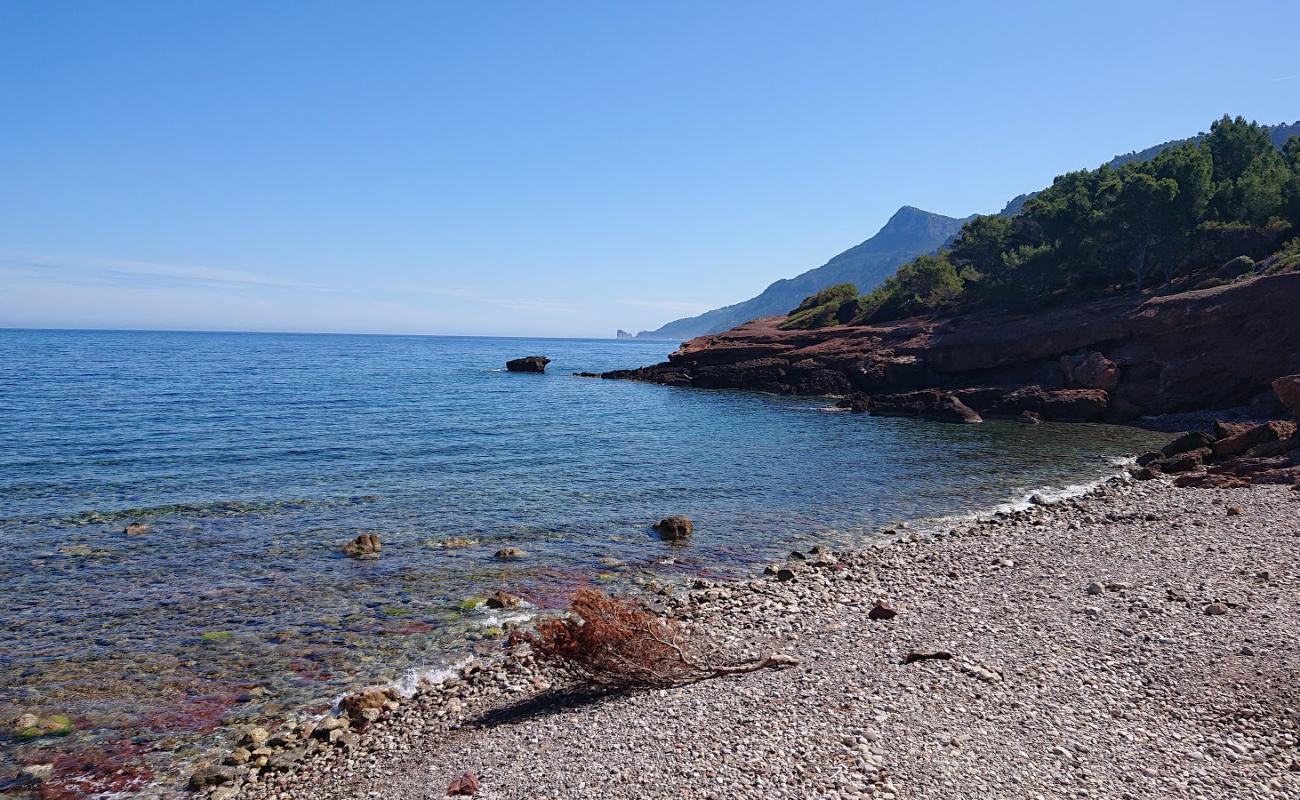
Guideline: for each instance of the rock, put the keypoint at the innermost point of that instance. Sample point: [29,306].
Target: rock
[1095,588]
[1029,418]
[30,726]
[1234,511]
[1287,390]
[37,773]
[785,574]
[370,697]
[1222,430]
[1186,443]
[212,776]
[364,546]
[675,528]
[255,737]
[509,553]
[1260,434]
[1216,609]
[1177,595]
[503,600]
[1185,462]
[454,542]
[1094,371]
[240,755]
[137,529]
[1147,459]
[928,404]
[882,611]
[858,403]
[466,784]
[528,364]
[926,655]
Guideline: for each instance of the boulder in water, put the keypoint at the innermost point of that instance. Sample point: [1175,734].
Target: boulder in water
[528,364]
[364,546]
[676,528]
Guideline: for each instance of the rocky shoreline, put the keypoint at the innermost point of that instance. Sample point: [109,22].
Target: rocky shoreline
[1137,641]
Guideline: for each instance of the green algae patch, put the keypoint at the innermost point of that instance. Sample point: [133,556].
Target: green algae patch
[53,725]
[215,636]
[396,611]
[471,603]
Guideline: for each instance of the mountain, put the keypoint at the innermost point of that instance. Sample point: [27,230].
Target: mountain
[909,233]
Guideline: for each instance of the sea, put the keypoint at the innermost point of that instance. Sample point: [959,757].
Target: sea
[252,459]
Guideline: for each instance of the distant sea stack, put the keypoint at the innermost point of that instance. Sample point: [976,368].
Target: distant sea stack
[528,364]
[622,334]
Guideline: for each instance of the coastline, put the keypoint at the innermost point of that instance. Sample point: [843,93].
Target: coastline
[1142,687]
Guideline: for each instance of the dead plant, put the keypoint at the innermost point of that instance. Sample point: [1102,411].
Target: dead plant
[617,643]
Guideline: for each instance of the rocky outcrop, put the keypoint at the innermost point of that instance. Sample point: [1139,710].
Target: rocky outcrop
[1108,360]
[1235,456]
[927,403]
[1287,389]
[528,364]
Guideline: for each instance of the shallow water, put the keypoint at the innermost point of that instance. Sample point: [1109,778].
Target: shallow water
[254,457]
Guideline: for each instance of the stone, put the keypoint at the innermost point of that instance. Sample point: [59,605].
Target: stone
[528,364]
[785,574]
[465,785]
[933,404]
[926,655]
[255,737]
[509,554]
[1234,511]
[1094,371]
[1095,588]
[240,755]
[365,546]
[212,776]
[676,528]
[371,697]
[37,773]
[501,599]
[137,529]
[882,611]
[1287,390]
[1215,609]
[1272,431]
[1029,418]
[454,543]
[1188,442]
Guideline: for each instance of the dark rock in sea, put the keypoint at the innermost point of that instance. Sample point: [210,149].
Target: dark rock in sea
[528,364]
[857,402]
[503,600]
[364,546]
[675,528]
[509,553]
[1029,418]
[137,529]
[1147,459]
[586,374]
[785,574]
[927,403]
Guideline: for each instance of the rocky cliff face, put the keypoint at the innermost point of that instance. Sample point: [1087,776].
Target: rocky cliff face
[1112,360]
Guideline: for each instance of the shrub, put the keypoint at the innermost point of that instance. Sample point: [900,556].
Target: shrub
[827,307]
[615,643]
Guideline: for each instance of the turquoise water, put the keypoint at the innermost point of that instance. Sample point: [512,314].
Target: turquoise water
[254,457]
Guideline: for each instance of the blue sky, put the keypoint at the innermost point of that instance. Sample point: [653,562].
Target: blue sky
[556,168]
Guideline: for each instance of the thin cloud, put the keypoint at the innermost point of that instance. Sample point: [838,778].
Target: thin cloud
[1286,78]
[69,268]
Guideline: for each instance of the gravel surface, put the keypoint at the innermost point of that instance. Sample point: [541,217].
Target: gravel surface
[1137,642]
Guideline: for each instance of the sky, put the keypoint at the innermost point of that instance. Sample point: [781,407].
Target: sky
[554,168]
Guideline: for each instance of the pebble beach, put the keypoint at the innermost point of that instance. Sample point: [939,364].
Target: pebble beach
[1137,641]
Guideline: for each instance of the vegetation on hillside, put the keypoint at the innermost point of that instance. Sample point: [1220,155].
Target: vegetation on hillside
[1203,212]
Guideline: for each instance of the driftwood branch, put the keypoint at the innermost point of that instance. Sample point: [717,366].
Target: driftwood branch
[617,643]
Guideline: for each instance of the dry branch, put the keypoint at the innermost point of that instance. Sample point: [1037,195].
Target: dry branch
[616,643]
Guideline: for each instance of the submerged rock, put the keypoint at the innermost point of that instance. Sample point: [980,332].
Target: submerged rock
[364,546]
[675,528]
[528,364]
[503,600]
[137,529]
[509,553]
